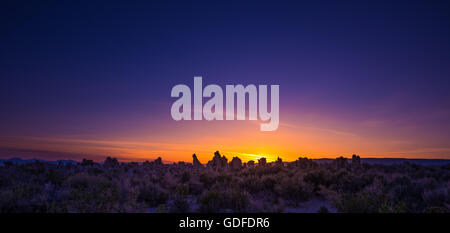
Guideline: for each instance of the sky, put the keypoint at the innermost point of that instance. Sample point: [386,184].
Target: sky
[89,79]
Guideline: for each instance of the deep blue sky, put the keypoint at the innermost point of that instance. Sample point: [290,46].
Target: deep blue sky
[90,68]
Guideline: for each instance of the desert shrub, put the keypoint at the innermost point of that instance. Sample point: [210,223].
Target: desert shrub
[7,201]
[195,187]
[389,207]
[267,170]
[294,189]
[96,171]
[211,201]
[403,189]
[435,198]
[23,198]
[348,183]
[316,178]
[240,201]
[224,178]
[87,193]
[182,190]
[55,176]
[179,205]
[153,195]
[27,191]
[252,184]
[168,181]
[207,179]
[185,177]
[268,182]
[367,202]
[161,209]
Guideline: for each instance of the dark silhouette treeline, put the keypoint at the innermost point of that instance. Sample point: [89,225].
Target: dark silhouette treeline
[342,185]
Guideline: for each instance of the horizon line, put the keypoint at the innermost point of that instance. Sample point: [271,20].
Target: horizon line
[256,161]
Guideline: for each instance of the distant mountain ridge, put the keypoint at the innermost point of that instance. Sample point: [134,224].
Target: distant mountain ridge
[391,161]
[27,161]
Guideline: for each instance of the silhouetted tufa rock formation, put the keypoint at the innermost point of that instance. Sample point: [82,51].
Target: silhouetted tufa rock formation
[87,162]
[146,163]
[305,163]
[157,161]
[236,164]
[218,162]
[356,161]
[195,161]
[340,162]
[262,161]
[279,162]
[250,163]
[111,162]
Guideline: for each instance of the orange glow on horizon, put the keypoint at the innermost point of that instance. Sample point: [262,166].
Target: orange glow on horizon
[177,141]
